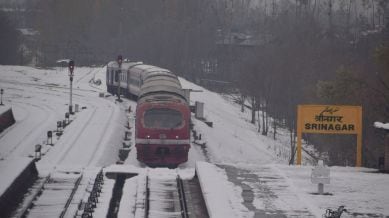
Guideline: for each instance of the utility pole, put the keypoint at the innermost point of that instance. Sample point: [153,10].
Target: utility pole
[119,60]
[71,74]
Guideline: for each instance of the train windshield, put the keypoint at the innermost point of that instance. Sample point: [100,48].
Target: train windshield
[164,118]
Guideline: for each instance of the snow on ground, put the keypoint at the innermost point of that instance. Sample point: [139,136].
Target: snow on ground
[233,133]
[362,191]
[4,109]
[381,125]
[233,139]
[128,201]
[218,193]
[104,199]
[40,98]
[277,187]
[247,163]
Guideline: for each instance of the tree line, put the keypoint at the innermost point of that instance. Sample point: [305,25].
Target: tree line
[9,41]
[319,52]
[274,54]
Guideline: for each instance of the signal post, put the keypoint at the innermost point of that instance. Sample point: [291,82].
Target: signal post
[71,74]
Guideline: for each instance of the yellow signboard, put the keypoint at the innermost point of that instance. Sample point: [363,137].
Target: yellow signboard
[329,119]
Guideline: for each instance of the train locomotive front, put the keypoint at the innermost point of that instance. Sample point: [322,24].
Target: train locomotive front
[162,122]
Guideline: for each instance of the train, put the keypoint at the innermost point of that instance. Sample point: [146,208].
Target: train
[162,115]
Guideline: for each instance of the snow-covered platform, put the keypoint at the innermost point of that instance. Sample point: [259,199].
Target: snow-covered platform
[275,190]
[17,175]
[6,117]
[3,109]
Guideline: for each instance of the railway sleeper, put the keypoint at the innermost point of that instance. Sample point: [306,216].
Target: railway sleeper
[164,198]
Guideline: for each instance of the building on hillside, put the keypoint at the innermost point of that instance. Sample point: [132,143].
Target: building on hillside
[232,49]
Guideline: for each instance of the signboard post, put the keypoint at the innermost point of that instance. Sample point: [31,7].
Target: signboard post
[330,119]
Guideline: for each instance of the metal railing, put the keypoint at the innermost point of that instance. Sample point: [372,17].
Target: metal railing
[181,193]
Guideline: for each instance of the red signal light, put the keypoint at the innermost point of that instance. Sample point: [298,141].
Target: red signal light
[71,66]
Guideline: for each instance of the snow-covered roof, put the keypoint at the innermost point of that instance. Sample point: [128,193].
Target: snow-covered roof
[61,61]
[28,31]
[242,39]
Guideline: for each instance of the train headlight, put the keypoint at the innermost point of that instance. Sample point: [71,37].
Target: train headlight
[177,137]
[148,136]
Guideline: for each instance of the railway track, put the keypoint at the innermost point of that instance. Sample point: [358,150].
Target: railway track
[20,140]
[51,196]
[55,192]
[34,110]
[165,197]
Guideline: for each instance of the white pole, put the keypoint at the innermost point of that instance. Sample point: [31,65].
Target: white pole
[119,84]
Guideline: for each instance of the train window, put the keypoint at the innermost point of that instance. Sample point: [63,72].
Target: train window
[163,118]
[134,82]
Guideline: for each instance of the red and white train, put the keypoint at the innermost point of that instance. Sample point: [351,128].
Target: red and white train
[162,113]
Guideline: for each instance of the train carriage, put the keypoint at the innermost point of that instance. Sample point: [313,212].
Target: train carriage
[162,113]
[162,122]
[112,76]
[128,79]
